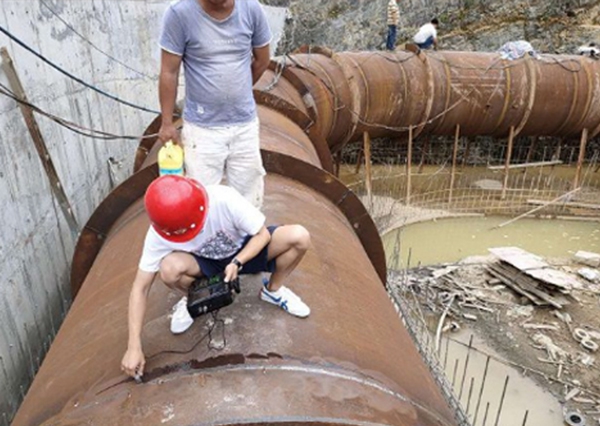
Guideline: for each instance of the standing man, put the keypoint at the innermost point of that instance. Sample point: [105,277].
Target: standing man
[426,37]
[393,18]
[224,48]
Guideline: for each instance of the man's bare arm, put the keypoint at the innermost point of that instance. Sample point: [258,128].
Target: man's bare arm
[133,361]
[170,65]
[260,62]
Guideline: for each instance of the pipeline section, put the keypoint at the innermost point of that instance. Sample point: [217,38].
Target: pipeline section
[352,361]
[386,93]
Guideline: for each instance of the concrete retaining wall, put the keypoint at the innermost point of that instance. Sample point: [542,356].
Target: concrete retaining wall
[111,44]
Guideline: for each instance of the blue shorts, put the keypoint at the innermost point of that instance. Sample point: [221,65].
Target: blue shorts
[258,263]
[427,44]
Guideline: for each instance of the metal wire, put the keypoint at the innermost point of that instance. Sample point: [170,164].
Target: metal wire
[73,77]
[74,127]
[69,26]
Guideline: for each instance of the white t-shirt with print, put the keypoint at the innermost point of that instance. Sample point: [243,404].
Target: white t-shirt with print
[230,219]
[426,31]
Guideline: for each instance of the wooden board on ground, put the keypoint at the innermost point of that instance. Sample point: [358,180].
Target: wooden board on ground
[534,266]
[524,285]
[526,165]
[569,204]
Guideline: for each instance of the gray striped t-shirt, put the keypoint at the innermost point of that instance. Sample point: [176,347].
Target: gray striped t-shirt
[216,58]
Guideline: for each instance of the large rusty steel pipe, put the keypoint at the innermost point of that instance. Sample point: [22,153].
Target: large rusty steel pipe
[338,367]
[352,362]
[336,97]
[386,93]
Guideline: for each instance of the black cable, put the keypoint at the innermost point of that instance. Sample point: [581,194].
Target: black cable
[208,334]
[71,76]
[76,128]
[216,319]
[93,45]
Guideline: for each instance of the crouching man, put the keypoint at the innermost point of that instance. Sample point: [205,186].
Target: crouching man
[196,232]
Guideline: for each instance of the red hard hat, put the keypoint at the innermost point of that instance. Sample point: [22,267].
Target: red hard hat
[177,207]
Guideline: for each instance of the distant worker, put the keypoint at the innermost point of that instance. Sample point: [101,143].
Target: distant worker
[197,231]
[224,48]
[393,19]
[426,37]
[591,50]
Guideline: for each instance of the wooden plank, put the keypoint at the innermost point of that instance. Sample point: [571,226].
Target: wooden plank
[409,165]
[526,284]
[531,150]
[508,282]
[454,155]
[367,151]
[466,153]
[567,204]
[511,137]
[38,141]
[424,154]
[582,145]
[518,258]
[554,201]
[527,165]
[535,267]
[358,161]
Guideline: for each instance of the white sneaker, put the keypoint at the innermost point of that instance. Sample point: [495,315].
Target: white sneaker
[181,319]
[286,300]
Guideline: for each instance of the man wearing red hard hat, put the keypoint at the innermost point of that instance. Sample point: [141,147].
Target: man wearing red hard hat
[201,231]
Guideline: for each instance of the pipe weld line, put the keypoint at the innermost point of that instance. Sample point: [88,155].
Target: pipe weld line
[338,373]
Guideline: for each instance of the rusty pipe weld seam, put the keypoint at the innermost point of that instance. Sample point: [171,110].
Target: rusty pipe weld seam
[507,100]
[429,107]
[589,97]
[340,105]
[330,87]
[356,92]
[291,421]
[448,93]
[532,93]
[311,369]
[546,61]
[574,100]
[428,120]
[357,65]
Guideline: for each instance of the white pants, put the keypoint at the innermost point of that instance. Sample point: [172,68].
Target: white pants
[211,152]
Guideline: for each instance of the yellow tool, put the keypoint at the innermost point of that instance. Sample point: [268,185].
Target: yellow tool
[170,159]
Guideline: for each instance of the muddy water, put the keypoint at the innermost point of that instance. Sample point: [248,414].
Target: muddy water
[449,240]
[522,393]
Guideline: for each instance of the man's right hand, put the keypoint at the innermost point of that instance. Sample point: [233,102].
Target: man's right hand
[133,362]
[168,132]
